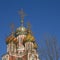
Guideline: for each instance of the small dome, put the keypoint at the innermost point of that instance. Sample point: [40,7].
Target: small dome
[29,37]
[11,38]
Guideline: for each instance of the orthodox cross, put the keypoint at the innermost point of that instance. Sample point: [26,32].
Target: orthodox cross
[12,28]
[22,15]
[29,25]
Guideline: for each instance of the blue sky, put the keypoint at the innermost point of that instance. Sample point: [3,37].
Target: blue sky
[44,16]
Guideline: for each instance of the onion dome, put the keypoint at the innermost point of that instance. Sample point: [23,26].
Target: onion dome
[35,46]
[21,31]
[11,38]
[29,37]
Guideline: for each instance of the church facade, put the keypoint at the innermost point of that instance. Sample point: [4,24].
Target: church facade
[21,44]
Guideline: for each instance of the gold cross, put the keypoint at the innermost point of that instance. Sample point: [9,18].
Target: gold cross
[29,25]
[22,15]
[12,27]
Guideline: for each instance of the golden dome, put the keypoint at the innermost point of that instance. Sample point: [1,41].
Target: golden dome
[15,40]
[29,37]
[11,38]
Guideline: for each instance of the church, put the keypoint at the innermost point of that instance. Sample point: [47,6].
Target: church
[21,44]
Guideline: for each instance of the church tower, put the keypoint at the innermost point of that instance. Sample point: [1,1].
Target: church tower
[21,44]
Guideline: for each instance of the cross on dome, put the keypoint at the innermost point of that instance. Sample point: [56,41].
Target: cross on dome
[12,27]
[22,15]
[29,25]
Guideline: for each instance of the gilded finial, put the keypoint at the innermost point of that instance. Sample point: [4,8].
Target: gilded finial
[22,15]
